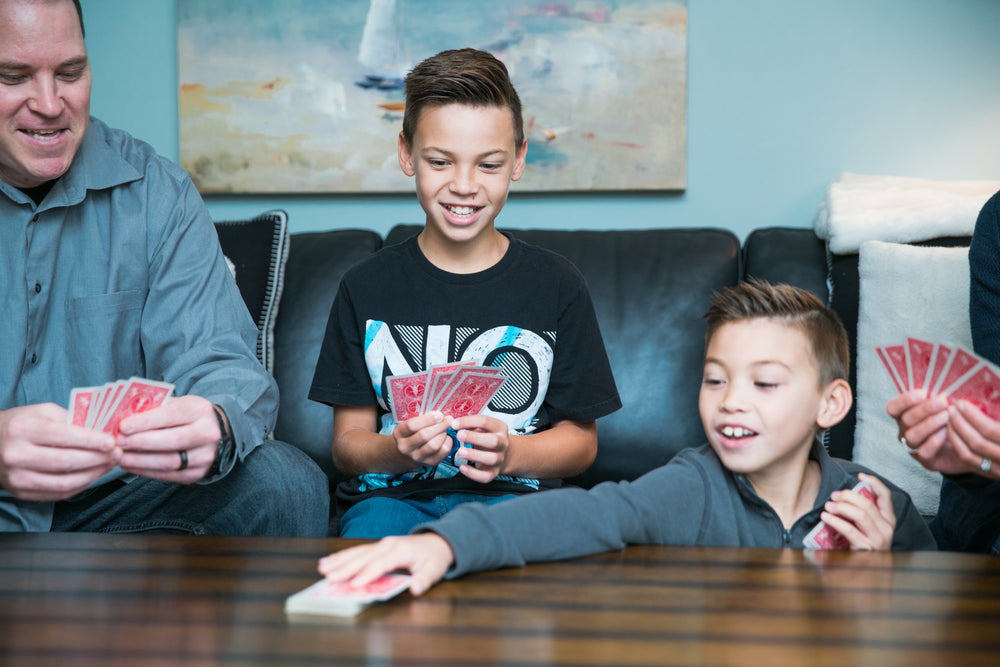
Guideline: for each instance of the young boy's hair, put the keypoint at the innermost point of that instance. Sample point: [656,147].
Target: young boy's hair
[759,299]
[460,76]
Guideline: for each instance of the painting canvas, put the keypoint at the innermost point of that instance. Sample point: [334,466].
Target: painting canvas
[306,95]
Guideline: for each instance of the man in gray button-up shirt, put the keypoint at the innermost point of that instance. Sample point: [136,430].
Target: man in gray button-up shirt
[110,268]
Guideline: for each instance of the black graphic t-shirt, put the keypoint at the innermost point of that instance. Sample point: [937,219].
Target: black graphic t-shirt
[529,315]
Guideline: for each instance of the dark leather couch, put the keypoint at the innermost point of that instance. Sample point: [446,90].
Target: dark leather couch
[650,289]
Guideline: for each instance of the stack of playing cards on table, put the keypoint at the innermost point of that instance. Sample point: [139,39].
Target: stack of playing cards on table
[328,599]
[456,389]
[943,370]
[824,537]
[102,408]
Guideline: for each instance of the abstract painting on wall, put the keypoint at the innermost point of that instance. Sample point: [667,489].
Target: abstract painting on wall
[306,95]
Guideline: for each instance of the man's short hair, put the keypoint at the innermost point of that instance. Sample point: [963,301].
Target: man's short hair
[79,13]
[796,307]
[460,76]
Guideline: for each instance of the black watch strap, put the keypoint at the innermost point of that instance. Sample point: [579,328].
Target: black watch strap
[226,448]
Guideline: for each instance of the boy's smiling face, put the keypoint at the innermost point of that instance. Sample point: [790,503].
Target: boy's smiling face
[463,159]
[761,401]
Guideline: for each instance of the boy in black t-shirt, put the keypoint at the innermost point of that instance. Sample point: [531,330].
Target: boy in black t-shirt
[460,291]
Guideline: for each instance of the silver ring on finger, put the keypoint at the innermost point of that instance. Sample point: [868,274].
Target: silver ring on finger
[184,460]
[986,465]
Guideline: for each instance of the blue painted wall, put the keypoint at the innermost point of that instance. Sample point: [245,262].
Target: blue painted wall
[783,95]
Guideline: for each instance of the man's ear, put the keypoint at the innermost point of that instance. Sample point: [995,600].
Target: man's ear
[837,401]
[405,156]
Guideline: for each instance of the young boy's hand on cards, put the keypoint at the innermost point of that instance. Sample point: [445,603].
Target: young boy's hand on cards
[867,524]
[490,442]
[423,439]
[426,556]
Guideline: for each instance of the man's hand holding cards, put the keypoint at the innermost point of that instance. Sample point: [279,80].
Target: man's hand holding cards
[948,410]
[950,371]
[103,408]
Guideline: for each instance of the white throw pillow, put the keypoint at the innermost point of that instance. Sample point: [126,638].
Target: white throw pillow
[904,290]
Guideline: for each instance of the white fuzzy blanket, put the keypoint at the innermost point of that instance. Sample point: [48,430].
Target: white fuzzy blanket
[859,208]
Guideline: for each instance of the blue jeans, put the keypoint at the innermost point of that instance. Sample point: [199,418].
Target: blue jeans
[276,490]
[380,516]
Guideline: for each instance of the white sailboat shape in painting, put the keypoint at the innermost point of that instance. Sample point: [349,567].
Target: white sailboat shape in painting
[379,53]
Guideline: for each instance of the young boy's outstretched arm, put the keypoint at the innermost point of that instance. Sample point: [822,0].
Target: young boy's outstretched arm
[554,525]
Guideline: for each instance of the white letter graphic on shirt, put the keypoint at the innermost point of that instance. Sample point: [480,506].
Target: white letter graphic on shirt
[384,358]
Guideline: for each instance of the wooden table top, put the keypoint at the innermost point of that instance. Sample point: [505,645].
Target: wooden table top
[84,599]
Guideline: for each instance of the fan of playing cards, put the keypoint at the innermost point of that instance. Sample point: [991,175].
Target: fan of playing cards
[943,370]
[456,389]
[102,408]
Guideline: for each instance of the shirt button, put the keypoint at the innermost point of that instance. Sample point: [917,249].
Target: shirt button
[34,358]
[38,288]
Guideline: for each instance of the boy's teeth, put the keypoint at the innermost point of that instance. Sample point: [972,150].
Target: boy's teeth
[461,210]
[735,431]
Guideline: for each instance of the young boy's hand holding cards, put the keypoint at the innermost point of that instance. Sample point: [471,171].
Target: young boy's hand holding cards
[456,390]
[825,534]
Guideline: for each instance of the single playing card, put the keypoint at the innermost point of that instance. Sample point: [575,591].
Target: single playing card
[824,537]
[437,389]
[79,404]
[438,377]
[138,395]
[982,389]
[406,395]
[918,361]
[959,365]
[897,358]
[341,599]
[95,405]
[890,369]
[470,394]
[112,397]
[456,378]
[942,355]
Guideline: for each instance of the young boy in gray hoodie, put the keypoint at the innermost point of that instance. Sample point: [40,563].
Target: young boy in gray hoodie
[776,363]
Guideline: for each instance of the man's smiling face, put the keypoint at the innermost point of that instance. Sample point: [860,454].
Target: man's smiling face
[44,90]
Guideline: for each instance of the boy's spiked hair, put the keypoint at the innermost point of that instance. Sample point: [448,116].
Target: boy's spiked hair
[759,299]
[460,76]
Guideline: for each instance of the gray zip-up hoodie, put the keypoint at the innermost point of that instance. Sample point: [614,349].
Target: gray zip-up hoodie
[692,500]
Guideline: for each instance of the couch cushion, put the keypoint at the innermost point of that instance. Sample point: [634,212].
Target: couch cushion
[316,262]
[904,291]
[790,255]
[844,298]
[257,250]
